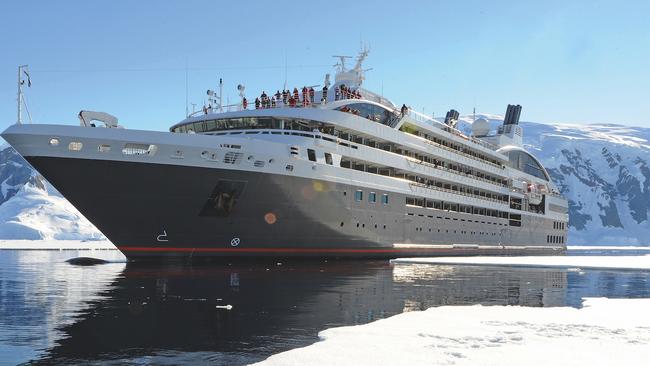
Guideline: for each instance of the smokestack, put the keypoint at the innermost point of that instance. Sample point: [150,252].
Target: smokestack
[451,116]
[512,115]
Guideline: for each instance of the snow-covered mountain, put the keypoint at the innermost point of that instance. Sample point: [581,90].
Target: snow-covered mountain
[602,169]
[30,208]
[604,172]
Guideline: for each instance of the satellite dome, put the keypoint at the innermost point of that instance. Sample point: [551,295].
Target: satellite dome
[480,127]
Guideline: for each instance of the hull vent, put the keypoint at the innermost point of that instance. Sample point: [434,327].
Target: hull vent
[233,157]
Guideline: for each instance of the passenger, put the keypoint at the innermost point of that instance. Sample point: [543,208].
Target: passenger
[285,96]
[337,93]
[358,94]
[273,102]
[404,110]
[244,103]
[257,103]
[292,102]
[324,94]
[295,94]
[277,95]
[311,94]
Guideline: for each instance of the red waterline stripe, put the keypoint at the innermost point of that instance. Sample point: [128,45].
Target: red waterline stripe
[274,250]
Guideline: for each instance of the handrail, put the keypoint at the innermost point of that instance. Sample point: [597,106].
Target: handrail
[435,188]
[471,176]
[454,131]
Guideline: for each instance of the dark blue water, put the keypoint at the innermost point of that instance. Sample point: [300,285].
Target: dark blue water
[52,312]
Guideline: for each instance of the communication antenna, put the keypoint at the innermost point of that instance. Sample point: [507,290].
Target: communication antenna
[186,92]
[23,70]
[341,63]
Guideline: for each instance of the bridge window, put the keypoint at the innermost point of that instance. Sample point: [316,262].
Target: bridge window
[524,162]
[311,154]
[370,111]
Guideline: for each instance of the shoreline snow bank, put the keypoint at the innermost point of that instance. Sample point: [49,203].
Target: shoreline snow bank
[637,262]
[603,332]
[56,245]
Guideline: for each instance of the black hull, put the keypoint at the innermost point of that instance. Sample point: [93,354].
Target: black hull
[158,210]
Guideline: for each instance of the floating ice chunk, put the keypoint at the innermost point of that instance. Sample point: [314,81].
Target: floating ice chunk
[603,332]
[640,262]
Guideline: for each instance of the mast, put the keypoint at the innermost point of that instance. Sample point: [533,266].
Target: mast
[19,98]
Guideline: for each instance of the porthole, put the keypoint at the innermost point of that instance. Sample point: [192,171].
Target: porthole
[54,141]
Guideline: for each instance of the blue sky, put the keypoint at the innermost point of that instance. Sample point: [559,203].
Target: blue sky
[564,61]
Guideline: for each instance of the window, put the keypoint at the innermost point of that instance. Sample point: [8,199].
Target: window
[358,196]
[328,158]
[54,141]
[372,197]
[311,154]
[370,111]
[523,161]
[104,148]
[75,146]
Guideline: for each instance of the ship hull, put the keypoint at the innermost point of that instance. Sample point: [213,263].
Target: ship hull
[175,211]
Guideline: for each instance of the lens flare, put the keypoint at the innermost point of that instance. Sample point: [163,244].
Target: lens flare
[270,218]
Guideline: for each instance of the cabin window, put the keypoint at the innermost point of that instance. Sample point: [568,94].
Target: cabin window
[54,141]
[328,158]
[75,146]
[311,154]
[384,199]
[372,197]
[104,148]
[358,196]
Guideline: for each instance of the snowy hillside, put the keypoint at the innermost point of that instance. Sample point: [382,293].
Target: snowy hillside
[31,209]
[604,172]
[602,169]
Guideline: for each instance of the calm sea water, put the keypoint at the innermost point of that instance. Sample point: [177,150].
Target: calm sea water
[52,312]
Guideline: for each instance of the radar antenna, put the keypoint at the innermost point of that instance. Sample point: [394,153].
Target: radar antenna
[341,64]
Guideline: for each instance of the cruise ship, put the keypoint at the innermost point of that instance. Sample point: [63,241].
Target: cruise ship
[334,171]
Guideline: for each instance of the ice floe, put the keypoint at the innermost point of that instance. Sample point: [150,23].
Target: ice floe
[602,332]
[628,262]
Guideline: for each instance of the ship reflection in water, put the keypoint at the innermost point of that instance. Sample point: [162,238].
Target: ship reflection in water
[171,314]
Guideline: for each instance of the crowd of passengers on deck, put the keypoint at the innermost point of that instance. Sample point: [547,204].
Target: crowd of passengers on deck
[302,98]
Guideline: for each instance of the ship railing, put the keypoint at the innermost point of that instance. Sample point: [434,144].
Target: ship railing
[423,118]
[465,194]
[279,104]
[471,176]
[462,153]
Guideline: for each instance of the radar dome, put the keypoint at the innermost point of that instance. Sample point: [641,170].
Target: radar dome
[480,127]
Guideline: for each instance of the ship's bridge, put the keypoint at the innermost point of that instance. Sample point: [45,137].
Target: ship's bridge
[522,160]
